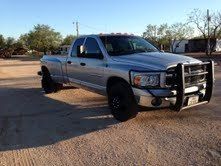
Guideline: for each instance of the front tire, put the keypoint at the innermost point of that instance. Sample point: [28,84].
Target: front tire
[122,102]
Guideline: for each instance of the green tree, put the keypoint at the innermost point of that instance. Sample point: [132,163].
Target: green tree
[157,35]
[9,42]
[151,34]
[43,38]
[164,36]
[68,40]
[2,42]
[179,32]
[23,39]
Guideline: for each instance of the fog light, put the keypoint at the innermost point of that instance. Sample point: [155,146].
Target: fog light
[156,102]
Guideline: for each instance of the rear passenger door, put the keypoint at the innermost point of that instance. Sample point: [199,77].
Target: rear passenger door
[73,63]
[92,65]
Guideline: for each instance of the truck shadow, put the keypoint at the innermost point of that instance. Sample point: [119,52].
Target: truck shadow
[29,119]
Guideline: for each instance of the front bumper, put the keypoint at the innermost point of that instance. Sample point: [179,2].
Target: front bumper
[177,98]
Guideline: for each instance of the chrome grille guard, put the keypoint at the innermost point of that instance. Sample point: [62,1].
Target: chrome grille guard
[180,82]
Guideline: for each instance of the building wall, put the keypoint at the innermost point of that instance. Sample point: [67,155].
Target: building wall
[200,45]
[195,45]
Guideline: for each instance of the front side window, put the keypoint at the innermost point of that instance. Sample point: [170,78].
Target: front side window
[92,49]
[123,45]
[77,43]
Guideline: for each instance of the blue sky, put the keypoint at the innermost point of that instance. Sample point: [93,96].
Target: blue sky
[95,16]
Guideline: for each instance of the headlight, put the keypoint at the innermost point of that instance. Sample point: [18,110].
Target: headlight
[143,80]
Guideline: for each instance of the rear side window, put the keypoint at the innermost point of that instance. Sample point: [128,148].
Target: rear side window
[78,42]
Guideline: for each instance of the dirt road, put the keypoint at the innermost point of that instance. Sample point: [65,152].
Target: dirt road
[74,127]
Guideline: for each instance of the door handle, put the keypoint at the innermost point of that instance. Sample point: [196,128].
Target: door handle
[69,62]
[83,64]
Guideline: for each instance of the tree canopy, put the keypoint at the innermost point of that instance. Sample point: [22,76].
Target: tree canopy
[7,42]
[2,41]
[42,38]
[68,40]
[165,35]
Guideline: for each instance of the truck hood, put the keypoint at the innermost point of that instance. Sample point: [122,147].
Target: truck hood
[154,60]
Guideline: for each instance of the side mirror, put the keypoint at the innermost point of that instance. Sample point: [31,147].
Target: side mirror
[80,50]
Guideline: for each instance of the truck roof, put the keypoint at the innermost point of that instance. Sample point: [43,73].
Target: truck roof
[108,34]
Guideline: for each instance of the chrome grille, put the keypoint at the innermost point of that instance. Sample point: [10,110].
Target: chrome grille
[194,74]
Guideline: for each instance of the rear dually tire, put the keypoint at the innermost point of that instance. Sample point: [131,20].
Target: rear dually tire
[48,84]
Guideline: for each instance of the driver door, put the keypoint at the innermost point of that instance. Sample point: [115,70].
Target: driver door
[73,64]
[92,65]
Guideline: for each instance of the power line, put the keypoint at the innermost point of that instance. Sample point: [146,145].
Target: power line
[90,27]
[78,24]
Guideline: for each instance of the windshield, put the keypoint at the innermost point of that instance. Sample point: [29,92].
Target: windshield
[123,45]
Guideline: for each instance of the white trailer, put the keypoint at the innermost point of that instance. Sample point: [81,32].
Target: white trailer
[179,46]
[218,45]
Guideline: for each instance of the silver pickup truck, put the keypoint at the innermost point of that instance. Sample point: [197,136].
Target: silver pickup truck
[131,72]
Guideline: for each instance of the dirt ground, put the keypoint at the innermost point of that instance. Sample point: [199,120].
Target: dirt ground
[74,127]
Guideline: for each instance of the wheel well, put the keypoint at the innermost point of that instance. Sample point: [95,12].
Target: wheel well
[114,80]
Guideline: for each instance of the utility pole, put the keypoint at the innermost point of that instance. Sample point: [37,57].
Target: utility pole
[208,23]
[77,28]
